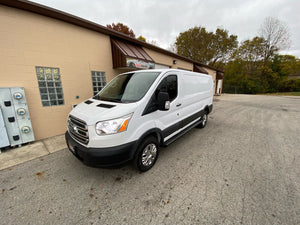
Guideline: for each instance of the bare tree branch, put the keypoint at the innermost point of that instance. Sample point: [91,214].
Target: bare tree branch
[276,36]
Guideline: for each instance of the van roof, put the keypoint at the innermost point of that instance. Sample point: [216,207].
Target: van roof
[166,70]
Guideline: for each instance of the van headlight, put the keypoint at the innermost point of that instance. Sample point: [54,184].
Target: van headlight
[113,126]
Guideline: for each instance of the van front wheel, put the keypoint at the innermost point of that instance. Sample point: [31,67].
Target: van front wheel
[203,120]
[146,154]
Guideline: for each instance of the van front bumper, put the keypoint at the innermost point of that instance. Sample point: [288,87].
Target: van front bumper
[101,157]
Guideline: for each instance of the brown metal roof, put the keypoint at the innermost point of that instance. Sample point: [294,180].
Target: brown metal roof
[131,51]
[59,15]
[199,69]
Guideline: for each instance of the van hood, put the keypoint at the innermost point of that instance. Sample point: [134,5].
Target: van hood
[92,111]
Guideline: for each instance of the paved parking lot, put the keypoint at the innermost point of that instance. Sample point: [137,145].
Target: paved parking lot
[242,168]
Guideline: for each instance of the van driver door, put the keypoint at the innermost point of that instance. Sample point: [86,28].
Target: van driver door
[168,121]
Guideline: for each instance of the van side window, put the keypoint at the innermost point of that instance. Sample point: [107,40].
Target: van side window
[169,84]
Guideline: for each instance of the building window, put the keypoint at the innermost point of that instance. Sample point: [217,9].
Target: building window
[99,81]
[50,86]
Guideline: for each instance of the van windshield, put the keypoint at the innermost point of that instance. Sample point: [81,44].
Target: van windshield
[128,87]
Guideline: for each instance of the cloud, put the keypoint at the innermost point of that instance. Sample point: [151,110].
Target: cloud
[164,20]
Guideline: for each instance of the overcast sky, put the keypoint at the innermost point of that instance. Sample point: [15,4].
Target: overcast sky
[162,20]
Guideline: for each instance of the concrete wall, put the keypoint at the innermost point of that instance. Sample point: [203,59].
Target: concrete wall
[28,40]
[213,73]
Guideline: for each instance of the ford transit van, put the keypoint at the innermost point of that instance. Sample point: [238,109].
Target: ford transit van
[135,114]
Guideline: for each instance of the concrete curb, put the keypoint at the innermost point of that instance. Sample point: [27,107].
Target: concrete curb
[32,151]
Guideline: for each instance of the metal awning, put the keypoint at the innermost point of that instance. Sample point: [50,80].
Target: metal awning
[122,50]
[199,69]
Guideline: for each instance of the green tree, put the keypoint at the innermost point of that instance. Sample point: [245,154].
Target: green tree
[276,37]
[206,47]
[187,45]
[251,52]
[223,46]
[285,65]
[239,79]
[141,38]
[120,27]
[247,66]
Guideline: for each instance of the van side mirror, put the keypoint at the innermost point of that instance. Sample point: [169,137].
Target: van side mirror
[163,101]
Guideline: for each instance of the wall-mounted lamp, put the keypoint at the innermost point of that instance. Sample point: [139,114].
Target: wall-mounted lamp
[174,61]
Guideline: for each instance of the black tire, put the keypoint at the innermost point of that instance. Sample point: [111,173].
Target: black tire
[146,154]
[203,120]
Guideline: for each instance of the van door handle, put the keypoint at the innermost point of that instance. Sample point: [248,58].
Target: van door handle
[178,105]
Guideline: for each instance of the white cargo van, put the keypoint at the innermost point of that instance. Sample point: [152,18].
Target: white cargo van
[135,114]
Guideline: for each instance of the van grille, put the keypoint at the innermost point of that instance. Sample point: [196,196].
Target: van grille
[78,129]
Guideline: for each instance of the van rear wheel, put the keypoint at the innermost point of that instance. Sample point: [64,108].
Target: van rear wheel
[203,120]
[146,154]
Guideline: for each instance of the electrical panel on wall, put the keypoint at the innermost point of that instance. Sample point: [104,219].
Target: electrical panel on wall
[4,141]
[16,115]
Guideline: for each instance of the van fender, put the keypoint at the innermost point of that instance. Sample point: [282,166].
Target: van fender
[154,132]
[208,108]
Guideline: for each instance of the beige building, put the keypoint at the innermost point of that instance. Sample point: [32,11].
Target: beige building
[61,60]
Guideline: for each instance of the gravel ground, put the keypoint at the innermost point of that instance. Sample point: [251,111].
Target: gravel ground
[242,168]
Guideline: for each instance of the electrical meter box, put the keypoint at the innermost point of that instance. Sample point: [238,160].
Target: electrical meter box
[16,116]
[4,142]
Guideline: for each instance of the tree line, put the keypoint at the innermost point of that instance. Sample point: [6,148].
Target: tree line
[251,66]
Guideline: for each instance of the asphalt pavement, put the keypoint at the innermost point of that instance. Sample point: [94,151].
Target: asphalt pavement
[242,168]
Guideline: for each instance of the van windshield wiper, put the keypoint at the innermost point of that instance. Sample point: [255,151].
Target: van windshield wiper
[109,99]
